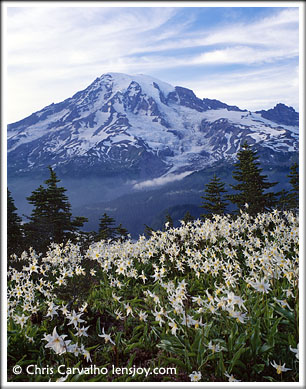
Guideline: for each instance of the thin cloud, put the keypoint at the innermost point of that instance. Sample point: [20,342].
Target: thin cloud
[277,30]
[243,55]
[253,89]
[161,180]
[52,52]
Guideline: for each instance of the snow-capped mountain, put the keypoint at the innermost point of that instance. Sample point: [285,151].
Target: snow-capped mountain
[143,128]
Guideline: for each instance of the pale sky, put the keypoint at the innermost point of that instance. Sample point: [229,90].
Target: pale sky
[246,56]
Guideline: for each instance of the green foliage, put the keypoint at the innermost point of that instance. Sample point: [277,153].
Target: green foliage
[122,233]
[289,200]
[294,192]
[15,238]
[252,184]
[108,232]
[213,200]
[148,231]
[51,219]
[169,221]
[188,217]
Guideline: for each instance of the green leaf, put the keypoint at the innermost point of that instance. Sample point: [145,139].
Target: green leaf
[255,338]
[221,366]
[92,347]
[130,362]
[98,326]
[137,328]
[200,354]
[240,341]
[284,312]
[275,325]
[240,364]
[20,360]
[169,346]
[174,361]
[118,338]
[273,332]
[236,357]
[258,368]
[271,379]
[264,348]
[197,341]
[25,362]
[134,345]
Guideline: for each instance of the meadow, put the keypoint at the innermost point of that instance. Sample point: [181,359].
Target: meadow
[210,301]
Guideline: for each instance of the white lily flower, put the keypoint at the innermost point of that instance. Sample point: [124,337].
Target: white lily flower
[106,337]
[195,376]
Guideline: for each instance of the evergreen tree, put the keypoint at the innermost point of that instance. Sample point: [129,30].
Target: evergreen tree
[252,184]
[122,232]
[188,217]
[294,192]
[214,203]
[51,219]
[283,200]
[15,239]
[106,230]
[37,230]
[148,231]
[169,221]
[289,200]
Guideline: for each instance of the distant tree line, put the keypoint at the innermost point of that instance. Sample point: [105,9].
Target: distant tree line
[51,221]
[251,189]
[250,192]
[51,218]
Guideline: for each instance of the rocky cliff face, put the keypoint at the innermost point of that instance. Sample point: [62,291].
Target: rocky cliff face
[281,114]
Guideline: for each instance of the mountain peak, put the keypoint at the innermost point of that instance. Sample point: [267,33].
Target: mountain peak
[141,127]
[281,114]
[121,81]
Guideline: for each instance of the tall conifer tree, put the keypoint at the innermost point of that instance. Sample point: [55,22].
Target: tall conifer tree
[294,192]
[107,231]
[148,231]
[188,217]
[168,221]
[122,232]
[252,184]
[15,239]
[51,218]
[213,199]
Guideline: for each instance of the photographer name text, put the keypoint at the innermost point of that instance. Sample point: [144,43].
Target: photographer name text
[93,370]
